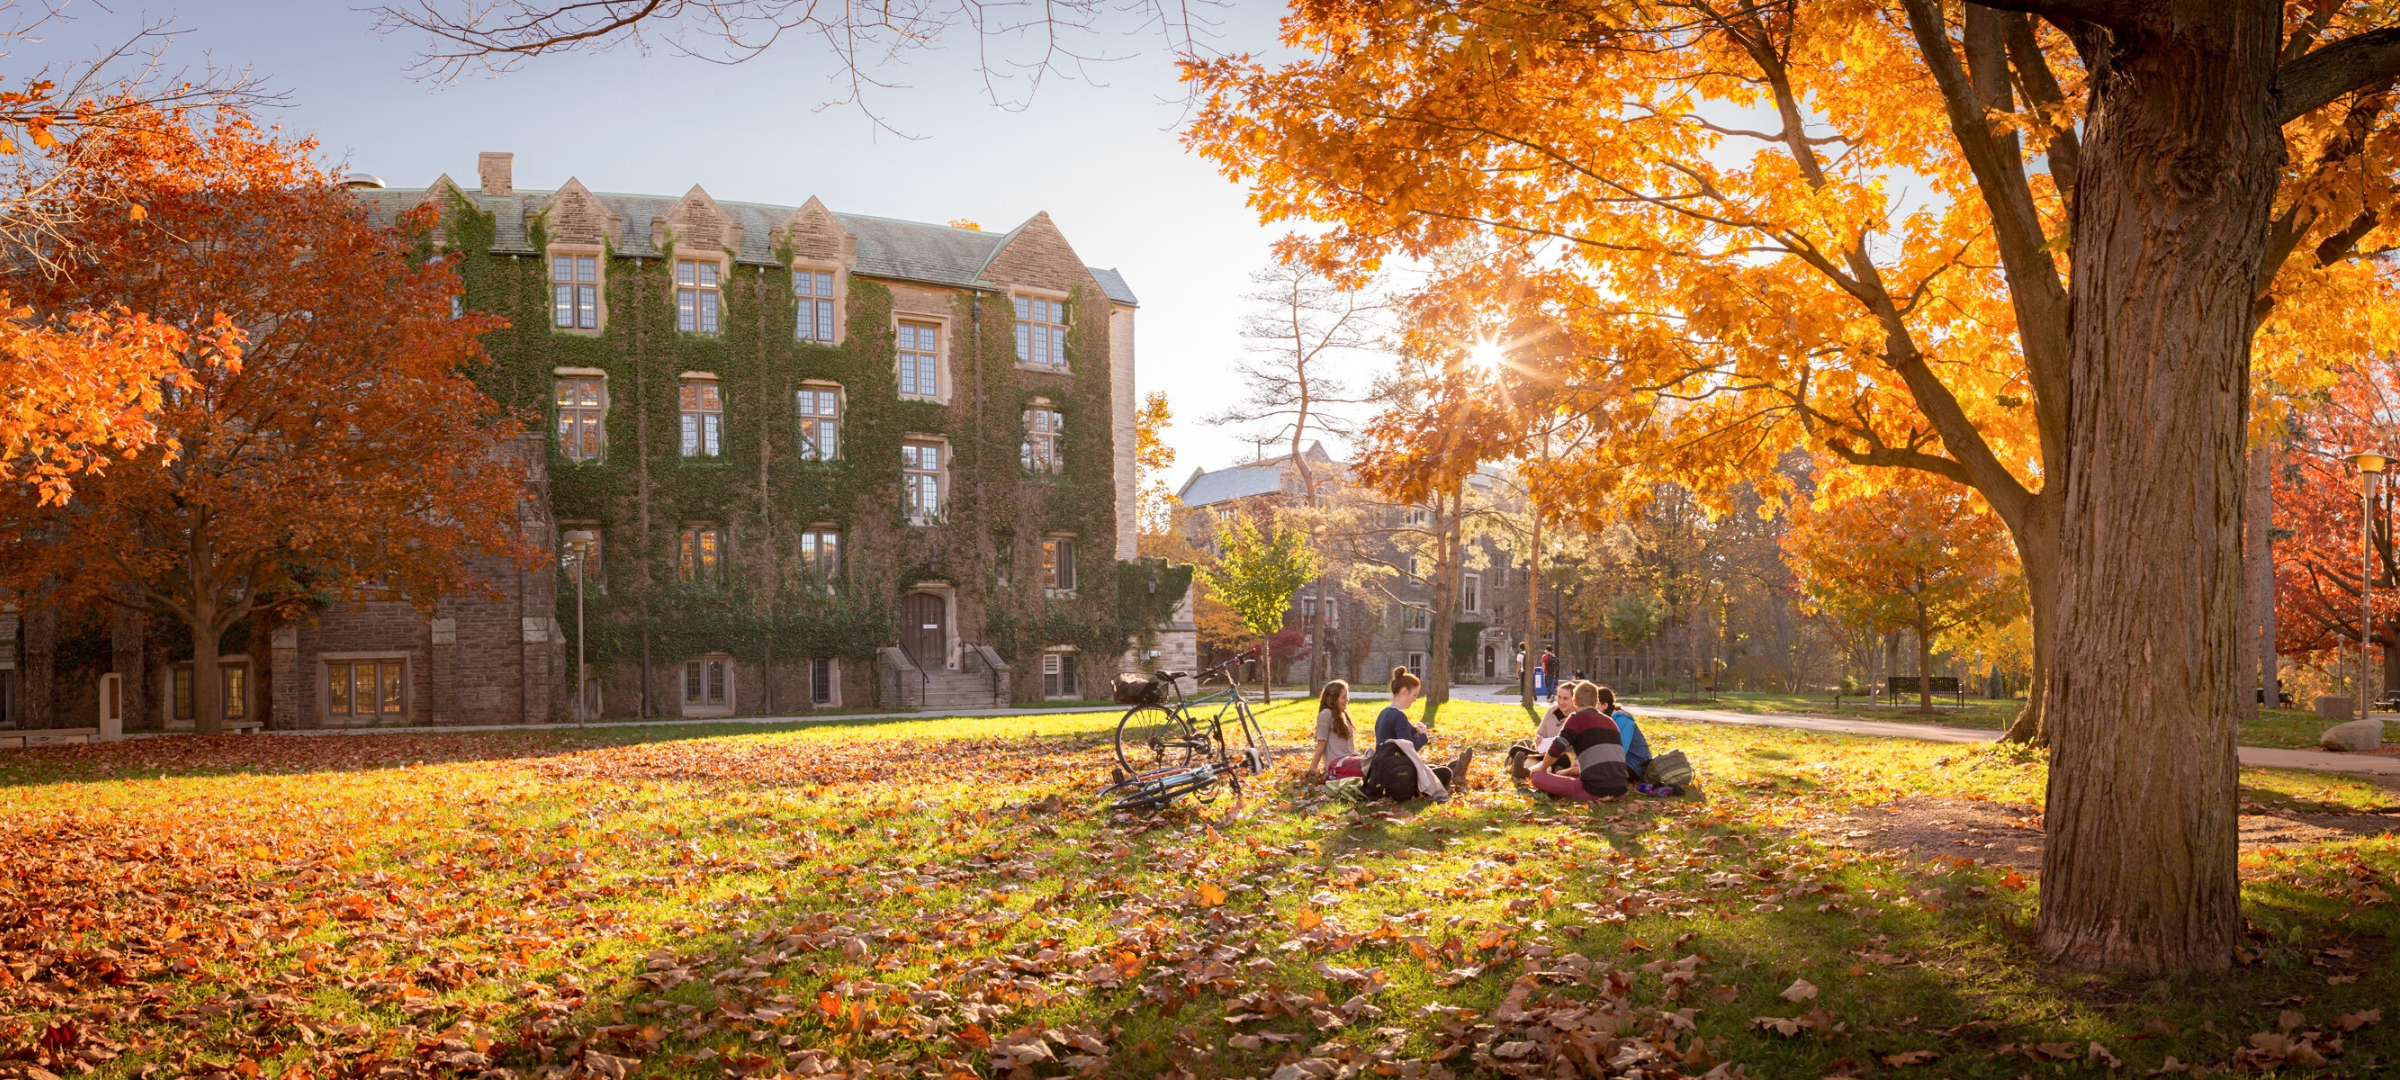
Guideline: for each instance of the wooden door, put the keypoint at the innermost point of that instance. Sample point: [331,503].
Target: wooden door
[925,629]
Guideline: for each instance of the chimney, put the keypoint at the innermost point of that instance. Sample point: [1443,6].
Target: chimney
[494,169]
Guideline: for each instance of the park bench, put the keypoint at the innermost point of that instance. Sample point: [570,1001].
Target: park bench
[1902,688]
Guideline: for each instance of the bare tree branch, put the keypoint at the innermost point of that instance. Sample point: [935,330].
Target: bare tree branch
[1016,45]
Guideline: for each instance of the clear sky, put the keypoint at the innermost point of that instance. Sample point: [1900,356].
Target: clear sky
[1104,160]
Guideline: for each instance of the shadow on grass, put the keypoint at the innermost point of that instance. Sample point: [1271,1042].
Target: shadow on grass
[1931,957]
[921,924]
[179,756]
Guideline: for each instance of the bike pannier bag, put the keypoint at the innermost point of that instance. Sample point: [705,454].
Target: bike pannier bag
[1391,775]
[1670,768]
[1135,688]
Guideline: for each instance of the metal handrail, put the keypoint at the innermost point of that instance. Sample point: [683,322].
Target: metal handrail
[924,681]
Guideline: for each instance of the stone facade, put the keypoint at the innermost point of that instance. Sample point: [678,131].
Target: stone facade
[509,658]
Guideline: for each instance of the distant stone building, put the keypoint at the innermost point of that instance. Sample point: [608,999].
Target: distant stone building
[828,461]
[1368,633]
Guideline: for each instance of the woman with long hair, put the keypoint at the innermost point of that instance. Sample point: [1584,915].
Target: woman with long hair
[1336,742]
[1393,724]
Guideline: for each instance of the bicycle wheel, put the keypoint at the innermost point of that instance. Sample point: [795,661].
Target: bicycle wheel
[1155,737]
[1252,748]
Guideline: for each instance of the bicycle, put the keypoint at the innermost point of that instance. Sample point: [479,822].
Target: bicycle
[1170,748]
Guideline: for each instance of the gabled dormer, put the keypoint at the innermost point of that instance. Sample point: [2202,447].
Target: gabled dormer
[697,226]
[816,237]
[576,216]
[822,253]
[577,232]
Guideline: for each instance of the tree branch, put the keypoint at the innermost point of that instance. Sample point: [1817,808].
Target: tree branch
[2113,14]
[2317,79]
[2034,288]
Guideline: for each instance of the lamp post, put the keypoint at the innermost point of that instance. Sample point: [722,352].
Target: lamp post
[2370,465]
[580,542]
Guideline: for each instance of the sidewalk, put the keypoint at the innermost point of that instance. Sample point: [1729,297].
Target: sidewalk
[2263,757]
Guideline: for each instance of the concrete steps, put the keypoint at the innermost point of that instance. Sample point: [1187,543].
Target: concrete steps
[962,690]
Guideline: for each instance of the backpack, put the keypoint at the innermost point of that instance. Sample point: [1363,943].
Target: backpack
[1390,775]
[1670,768]
[1135,688]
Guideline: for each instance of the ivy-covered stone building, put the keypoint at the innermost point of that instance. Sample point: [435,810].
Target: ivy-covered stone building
[827,460]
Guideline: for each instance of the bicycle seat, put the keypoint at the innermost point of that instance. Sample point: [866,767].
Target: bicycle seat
[1174,676]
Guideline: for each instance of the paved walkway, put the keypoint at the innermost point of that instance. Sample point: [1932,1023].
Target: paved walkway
[2315,760]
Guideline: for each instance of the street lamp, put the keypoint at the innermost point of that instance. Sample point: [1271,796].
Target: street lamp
[579,541]
[2370,465]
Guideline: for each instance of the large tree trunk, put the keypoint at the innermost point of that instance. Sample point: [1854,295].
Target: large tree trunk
[208,699]
[2179,171]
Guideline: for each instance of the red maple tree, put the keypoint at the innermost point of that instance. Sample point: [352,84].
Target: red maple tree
[348,454]
[2317,508]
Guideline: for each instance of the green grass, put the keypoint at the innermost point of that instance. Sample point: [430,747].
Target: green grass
[2290,729]
[911,893]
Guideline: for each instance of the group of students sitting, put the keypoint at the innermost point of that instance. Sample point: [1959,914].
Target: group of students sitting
[1337,741]
[1585,748]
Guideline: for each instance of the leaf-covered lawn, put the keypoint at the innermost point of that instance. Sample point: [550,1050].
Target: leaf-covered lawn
[941,897]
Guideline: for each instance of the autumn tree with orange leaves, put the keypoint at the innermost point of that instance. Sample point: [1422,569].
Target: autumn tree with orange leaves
[347,454]
[2317,507]
[82,386]
[2035,248]
[1916,555]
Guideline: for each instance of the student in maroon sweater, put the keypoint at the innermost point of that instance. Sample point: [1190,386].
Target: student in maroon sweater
[1599,767]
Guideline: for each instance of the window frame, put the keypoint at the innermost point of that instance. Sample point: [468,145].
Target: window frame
[1415,617]
[697,437]
[1058,566]
[597,414]
[713,676]
[1470,592]
[383,663]
[1038,453]
[233,684]
[824,682]
[1032,332]
[904,324]
[591,318]
[1062,677]
[810,423]
[939,474]
[823,314]
[707,310]
[694,564]
[814,540]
